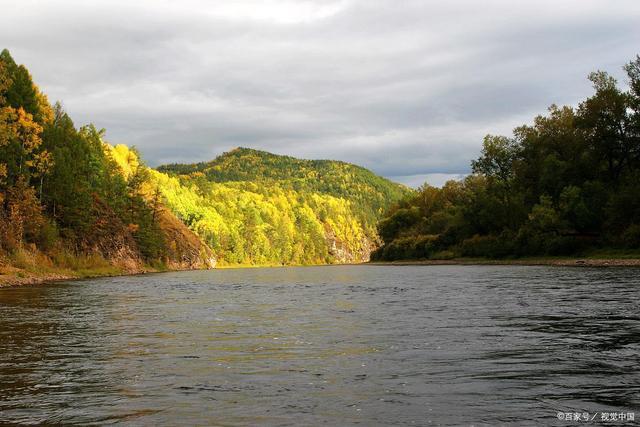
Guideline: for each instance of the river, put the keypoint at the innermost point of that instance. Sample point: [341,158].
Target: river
[339,345]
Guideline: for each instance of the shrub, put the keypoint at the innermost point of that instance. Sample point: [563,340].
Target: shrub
[489,246]
[443,255]
[48,236]
[631,236]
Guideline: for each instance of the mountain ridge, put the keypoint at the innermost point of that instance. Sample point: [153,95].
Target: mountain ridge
[241,151]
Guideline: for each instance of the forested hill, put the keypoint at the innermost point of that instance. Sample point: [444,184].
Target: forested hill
[254,207]
[72,205]
[370,192]
[565,185]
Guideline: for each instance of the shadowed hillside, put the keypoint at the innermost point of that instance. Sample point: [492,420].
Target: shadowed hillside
[565,185]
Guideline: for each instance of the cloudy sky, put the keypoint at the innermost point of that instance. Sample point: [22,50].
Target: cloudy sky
[407,88]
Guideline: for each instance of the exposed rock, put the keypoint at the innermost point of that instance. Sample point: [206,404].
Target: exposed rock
[185,249]
[342,253]
[112,239]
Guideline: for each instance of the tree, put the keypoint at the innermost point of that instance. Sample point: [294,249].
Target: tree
[606,124]
[566,181]
[497,158]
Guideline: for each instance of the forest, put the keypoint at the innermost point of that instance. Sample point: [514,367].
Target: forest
[69,201]
[254,207]
[567,184]
[564,185]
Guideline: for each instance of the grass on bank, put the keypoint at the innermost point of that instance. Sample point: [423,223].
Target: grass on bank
[29,266]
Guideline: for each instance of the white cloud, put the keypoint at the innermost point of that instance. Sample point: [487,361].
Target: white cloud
[432,179]
[280,12]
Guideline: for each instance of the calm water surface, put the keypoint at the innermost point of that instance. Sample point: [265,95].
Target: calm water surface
[369,345]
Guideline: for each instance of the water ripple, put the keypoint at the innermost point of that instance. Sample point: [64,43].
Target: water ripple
[367,345]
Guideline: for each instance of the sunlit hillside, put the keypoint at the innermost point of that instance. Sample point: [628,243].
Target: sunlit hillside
[254,207]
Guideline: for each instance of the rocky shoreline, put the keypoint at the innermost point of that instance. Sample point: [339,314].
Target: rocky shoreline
[17,278]
[20,278]
[8,280]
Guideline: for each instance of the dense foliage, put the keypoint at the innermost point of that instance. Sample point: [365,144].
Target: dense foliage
[254,207]
[61,188]
[563,185]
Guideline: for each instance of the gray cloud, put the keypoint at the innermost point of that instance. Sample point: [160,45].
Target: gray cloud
[407,89]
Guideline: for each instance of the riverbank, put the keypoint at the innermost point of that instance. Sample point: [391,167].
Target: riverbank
[33,267]
[13,276]
[559,262]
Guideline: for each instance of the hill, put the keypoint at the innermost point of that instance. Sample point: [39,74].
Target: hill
[254,207]
[70,204]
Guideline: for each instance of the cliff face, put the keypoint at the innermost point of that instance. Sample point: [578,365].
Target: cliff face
[344,253]
[184,250]
[108,248]
[113,240]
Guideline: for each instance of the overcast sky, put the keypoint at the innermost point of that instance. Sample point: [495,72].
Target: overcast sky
[407,88]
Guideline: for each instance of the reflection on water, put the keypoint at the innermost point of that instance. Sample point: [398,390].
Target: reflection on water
[372,345]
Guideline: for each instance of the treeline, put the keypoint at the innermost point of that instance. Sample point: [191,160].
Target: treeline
[253,207]
[563,186]
[370,195]
[65,194]
[62,192]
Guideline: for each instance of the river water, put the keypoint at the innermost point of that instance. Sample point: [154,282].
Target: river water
[342,345]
